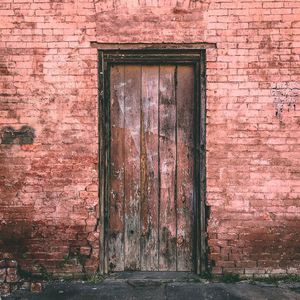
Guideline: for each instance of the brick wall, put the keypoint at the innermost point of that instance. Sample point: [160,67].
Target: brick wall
[48,81]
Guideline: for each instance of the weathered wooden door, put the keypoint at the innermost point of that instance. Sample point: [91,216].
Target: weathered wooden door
[150,204]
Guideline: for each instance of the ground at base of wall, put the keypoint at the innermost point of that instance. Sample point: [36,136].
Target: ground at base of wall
[165,285]
[158,290]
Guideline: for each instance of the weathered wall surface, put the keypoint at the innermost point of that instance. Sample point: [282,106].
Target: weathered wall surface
[48,81]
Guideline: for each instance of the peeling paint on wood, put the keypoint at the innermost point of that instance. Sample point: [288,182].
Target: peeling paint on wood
[116,207]
[152,163]
[149,168]
[185,150]
[167,157]
[132,92]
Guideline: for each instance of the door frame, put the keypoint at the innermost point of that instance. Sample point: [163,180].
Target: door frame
[193,54]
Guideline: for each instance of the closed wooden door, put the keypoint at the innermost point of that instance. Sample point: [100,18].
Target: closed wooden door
[151,179]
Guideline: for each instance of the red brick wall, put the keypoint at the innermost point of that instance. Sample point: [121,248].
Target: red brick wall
[48,81]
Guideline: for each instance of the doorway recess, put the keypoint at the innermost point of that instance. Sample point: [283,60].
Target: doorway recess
[171,69]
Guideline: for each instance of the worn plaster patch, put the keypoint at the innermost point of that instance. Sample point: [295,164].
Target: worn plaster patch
[285,95]
[24,136]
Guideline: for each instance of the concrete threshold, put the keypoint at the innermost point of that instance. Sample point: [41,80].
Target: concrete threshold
[151,278]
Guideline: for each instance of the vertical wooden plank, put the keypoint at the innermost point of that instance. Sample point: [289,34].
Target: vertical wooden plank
[149,169]
[132,112]
[116,204]
[185,162]
[167,158]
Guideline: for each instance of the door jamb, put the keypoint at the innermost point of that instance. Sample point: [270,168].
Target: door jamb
[154,56]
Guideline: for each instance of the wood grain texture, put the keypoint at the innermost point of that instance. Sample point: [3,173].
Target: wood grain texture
[149,169]
[132,112]
[185,150]
[116,207]
[167,154]
[152,168]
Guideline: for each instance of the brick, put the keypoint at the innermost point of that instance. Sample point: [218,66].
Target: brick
[12,278]
[36,287]
[226,264]
[85,250]
[246,264]
[11,271]
[49,81]
[4,289]
[2,275]
[92,188]
[2,263]
[25,285]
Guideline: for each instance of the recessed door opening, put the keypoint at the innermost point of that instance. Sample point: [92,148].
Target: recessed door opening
[152,161]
